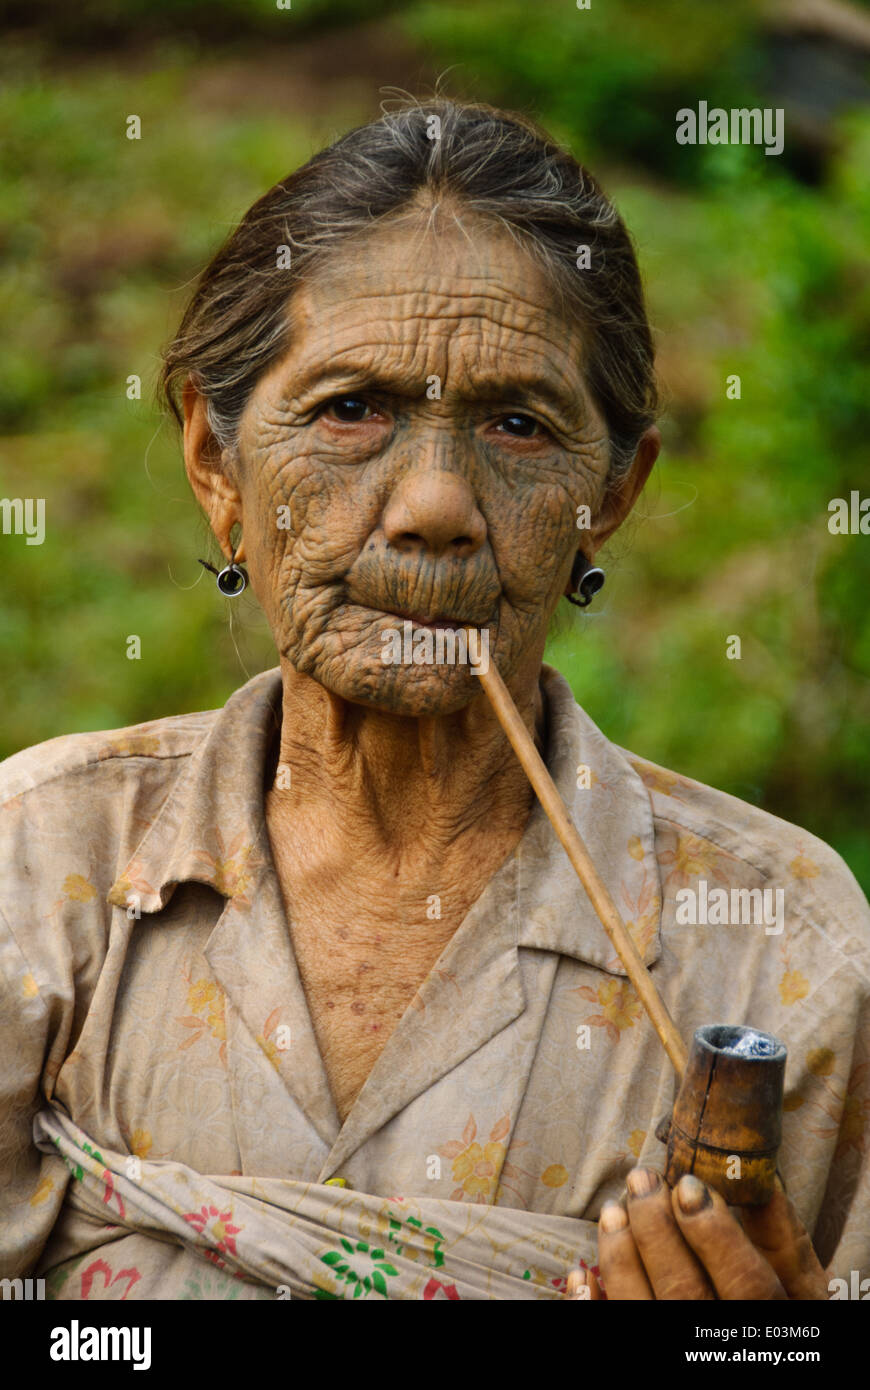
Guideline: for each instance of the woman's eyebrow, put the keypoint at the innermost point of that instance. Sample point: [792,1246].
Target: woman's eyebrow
[522,390]
[356,376]
[569,401]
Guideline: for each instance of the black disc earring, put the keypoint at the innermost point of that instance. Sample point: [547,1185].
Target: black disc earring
[232,580]
[586,580]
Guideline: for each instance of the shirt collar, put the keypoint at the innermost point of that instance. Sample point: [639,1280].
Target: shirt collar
[211,828]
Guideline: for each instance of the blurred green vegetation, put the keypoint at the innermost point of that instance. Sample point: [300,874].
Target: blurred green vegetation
[749,271]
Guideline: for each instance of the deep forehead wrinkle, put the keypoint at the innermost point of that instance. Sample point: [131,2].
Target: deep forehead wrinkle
[447,300]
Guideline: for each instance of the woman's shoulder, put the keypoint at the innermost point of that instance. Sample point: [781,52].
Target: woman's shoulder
[75,764]
[74,808]
[702,833]
[706,834]
[739,827]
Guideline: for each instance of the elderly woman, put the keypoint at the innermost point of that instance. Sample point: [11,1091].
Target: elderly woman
[296,988]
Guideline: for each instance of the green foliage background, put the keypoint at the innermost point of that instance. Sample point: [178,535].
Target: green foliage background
[749,271]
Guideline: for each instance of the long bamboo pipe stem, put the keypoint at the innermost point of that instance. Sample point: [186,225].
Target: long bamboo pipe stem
[545,789]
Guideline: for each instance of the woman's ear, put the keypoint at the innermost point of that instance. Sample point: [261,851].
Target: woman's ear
[621,498]
[215,492]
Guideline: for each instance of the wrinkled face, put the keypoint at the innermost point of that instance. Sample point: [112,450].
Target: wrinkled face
[419,454]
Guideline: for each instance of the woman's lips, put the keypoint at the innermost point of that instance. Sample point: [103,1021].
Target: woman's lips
[426,620]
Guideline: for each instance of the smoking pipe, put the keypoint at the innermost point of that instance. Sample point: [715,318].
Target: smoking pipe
[726,1124]
[727,1120]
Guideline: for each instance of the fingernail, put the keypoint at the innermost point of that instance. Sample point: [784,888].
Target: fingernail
[612,1218]
[576,1282]
[692,1195]
[642,1182]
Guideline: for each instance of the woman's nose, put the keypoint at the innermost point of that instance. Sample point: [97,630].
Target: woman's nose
[434,511]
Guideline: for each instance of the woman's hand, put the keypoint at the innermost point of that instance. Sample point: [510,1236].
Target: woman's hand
[688,1244]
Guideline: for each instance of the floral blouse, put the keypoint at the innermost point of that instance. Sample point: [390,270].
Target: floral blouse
[150,999]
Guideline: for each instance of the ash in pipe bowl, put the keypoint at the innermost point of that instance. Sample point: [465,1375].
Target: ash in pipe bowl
[749,1044]
[727,1122]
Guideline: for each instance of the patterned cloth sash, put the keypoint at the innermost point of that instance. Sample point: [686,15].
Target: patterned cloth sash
[318,1241]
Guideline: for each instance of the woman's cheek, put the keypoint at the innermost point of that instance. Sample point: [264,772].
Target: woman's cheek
[533,555]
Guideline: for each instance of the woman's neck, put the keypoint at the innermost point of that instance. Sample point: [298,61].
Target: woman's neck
[374,786]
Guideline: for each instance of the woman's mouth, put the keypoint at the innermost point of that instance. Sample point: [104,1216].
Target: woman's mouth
[433,620]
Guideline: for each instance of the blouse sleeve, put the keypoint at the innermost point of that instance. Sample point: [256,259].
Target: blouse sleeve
[837,1114]
[35,1022]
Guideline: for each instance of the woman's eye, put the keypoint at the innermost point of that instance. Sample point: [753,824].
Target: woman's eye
[522,426]
[350,410]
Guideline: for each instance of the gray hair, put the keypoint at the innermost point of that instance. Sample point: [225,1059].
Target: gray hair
[492,163]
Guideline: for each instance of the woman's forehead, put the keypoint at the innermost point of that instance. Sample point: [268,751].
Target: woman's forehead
[451,256]
[420,298]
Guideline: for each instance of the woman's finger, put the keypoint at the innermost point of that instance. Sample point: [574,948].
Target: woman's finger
[777,1233]
[582,1285]
[618,1258]
[672,1269]
[736,1267]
